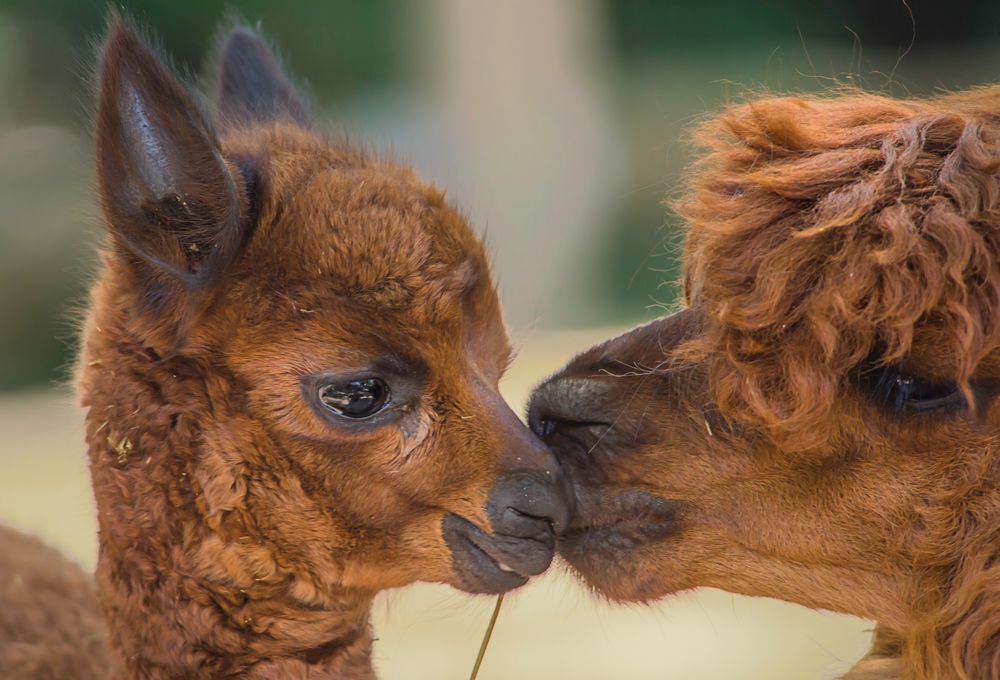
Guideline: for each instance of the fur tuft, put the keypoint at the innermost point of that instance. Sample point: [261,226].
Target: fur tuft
[849,224]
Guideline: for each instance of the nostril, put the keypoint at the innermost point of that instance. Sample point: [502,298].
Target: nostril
[545,428]
[568,402]
[530,506]
[538,420]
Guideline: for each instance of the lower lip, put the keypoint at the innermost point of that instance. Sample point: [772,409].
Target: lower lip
[490,566]
[482,573]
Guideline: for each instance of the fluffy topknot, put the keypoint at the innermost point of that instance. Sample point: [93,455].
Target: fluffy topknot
[825,231]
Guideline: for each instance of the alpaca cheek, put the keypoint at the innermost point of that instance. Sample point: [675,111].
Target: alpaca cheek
[219,475]
[240,565]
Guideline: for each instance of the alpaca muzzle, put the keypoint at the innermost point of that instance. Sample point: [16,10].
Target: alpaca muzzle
[526,510]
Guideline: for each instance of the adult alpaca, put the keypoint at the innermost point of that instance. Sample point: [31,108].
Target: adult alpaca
[820,423]
[289,370]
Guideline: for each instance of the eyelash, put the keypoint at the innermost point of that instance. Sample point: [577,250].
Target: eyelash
[906,393]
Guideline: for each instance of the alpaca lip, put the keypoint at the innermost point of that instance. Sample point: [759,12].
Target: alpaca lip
[492,563]
[629,519]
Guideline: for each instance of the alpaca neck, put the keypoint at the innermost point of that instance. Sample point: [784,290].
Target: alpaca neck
[189,588]
[180,595]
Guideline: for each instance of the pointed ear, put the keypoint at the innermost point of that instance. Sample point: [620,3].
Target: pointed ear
[170,200]
[251,88]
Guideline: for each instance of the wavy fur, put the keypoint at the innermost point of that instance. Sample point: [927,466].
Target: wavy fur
[828,231]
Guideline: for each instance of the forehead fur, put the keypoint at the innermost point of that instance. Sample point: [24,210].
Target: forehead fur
[829,230]
[333,221]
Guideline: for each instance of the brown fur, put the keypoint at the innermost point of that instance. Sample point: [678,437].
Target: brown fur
[847,227]
[244,527]
[766,439]
[50,622]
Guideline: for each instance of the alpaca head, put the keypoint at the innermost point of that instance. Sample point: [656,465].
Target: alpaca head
[820,422]
[298,347]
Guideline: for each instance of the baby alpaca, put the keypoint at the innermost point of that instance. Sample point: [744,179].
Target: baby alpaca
[289,370]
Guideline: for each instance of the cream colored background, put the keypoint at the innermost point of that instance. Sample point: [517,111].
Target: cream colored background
[550,629]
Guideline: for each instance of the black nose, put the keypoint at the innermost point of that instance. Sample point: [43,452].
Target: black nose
[567,402]
[524,506]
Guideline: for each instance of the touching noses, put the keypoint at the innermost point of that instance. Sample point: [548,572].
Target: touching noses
[531,497]
[528,504]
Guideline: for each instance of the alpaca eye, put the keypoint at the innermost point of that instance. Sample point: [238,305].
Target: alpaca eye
[357,398]
[906,392]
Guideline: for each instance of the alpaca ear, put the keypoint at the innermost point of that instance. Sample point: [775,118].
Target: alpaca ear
[170,200]
[251,87]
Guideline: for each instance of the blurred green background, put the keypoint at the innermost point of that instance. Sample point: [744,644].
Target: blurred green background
[557,125]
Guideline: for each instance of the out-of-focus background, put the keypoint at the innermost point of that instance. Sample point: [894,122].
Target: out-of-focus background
[558,126]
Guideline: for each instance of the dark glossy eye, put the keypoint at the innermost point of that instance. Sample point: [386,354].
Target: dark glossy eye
[905,392]
[356,398]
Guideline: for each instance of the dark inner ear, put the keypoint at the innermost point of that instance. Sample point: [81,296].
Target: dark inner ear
[170,200]
[251,87]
